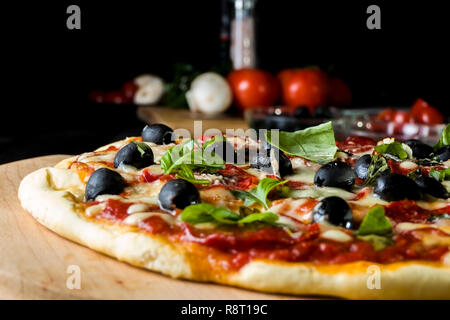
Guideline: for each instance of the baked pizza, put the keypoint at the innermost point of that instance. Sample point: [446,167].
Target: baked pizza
[291,212]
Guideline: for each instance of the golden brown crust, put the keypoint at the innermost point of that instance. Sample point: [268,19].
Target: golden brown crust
[50,193]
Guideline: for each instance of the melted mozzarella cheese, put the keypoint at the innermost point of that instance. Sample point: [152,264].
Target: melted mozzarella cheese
[221,197]
[322,192]
[291,207]
[303,174]
[336,235]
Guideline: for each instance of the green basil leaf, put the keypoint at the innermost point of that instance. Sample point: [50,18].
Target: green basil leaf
[258,194]
[143,148]
[315,143]
[213,140]
[375,222]
[440,175]
[393,149]
[437,217]
[445,138]
[175,155]
[267,217]
[187,174]
[378,242]
[377,166]
[205,212]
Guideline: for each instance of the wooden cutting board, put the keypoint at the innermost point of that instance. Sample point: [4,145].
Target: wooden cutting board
[34,261]
[182,118]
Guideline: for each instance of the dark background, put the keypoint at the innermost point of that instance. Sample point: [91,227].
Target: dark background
[49,70]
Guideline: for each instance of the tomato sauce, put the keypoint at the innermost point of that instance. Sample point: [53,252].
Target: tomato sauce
[239,246]
[356,144]
[409,211]
[237,178]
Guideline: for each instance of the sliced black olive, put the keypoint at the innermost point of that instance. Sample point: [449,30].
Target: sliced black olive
[132,156]
[443,153]
[362,166]
[334,210]
[223,149]
[302,112]
[157,133]
[432,187]
[265,159]
[335,174]
[395,187]
[104,181]
[322,112]
[420,150]
[178,193]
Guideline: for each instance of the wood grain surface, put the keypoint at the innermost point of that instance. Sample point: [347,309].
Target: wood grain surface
[34,261]
[176,119]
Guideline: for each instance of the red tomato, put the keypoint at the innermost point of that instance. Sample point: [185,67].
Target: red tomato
[304,87]
[417,106]
[115,97]
[253,88]
[97,96]
[340,94]
[128,90]
[402,117]
[386,115]
[429,115]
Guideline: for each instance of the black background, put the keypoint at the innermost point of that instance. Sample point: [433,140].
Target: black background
[49,70]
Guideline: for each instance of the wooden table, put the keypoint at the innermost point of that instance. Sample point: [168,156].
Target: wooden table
[182,118]
[34,261]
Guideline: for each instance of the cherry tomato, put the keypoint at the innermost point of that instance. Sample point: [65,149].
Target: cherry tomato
[429,115]
[402,117]
[253,88]
[97,96]
[340,94]
[386,114]
[304,87]
[115,97]
[417,106]
[128,90]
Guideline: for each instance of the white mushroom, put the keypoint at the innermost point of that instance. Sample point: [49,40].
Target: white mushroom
[150,89]
[209,93]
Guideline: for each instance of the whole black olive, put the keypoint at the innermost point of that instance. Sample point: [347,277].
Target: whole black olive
[322,112]
[265,159]
[104,181]
[395,187]
[362,166]
[302,112]
[443,153]
[420,150]
[334,210]
[335,174]
[157,133]
[178,193]
[133,156]
[432,187]
[223,149]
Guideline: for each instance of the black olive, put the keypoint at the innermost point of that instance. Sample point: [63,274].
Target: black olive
[335,174]
[178,193]
[334,210]
[362,166]
[322,112]
[130,155]
[104,181]
[420,150]
[395,187]
[157,133]
[432,187]
[223,149]
[263,161]
[443,153]
[302,112]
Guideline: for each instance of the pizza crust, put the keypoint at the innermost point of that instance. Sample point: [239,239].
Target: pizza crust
[46,194]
